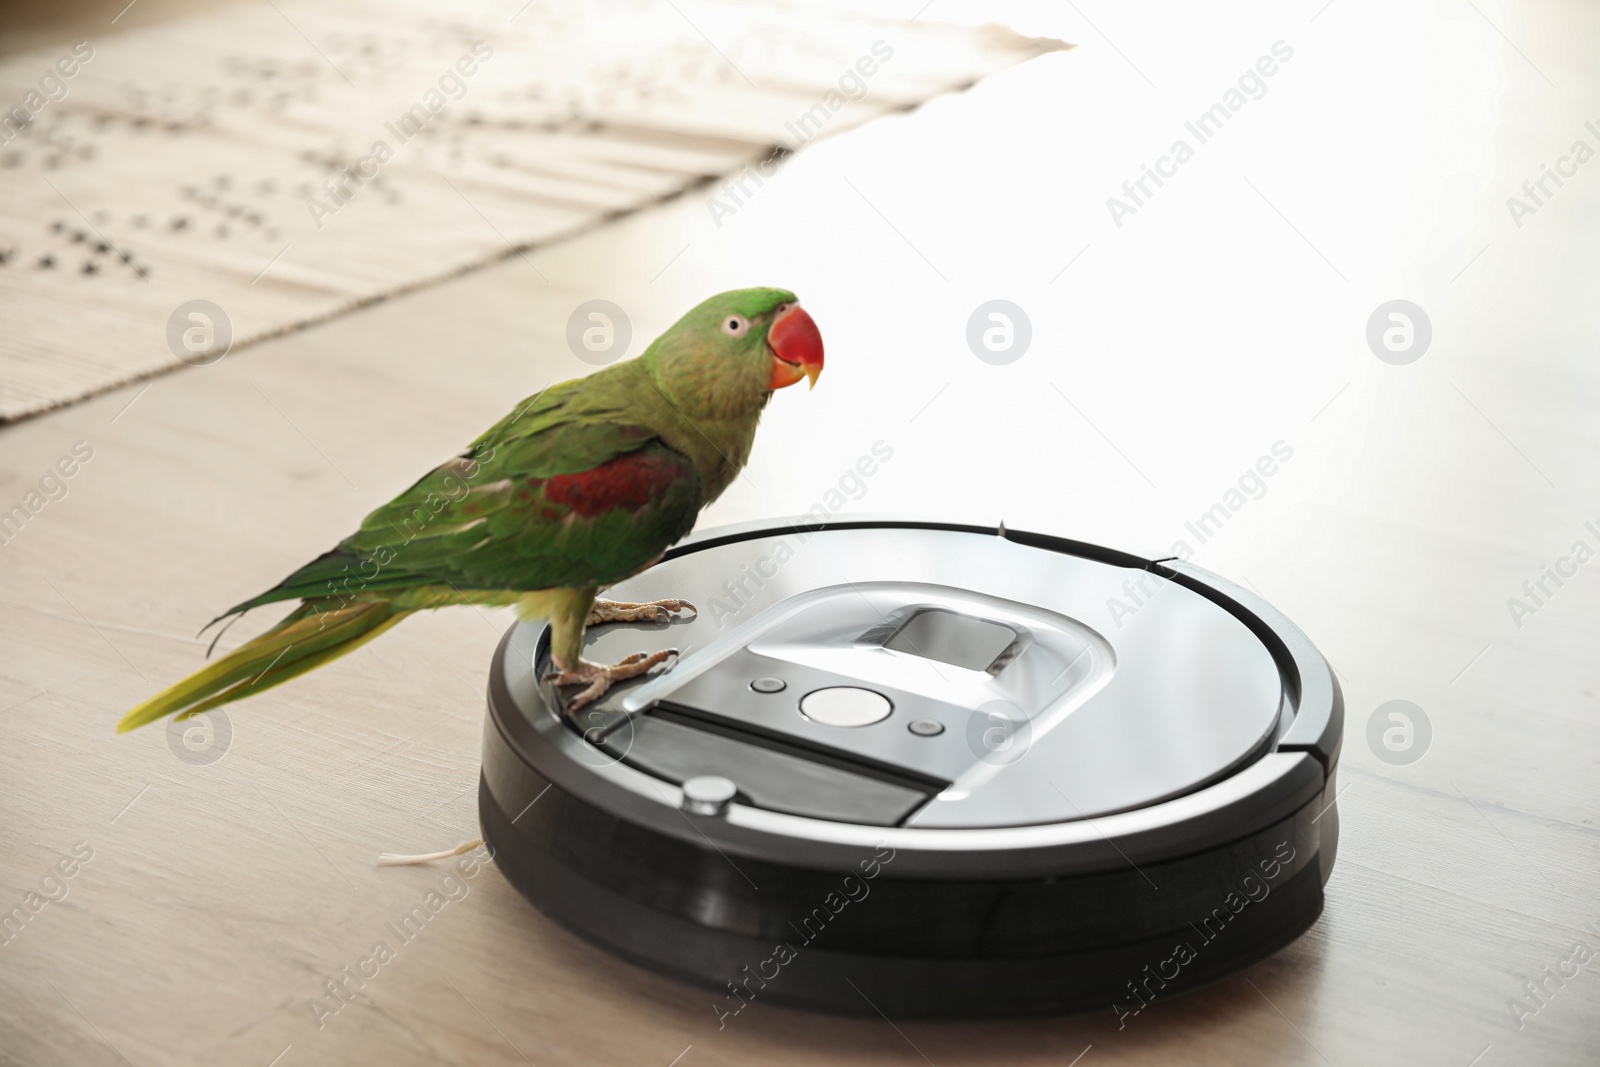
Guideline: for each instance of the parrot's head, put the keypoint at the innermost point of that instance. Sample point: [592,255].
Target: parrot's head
[737,347]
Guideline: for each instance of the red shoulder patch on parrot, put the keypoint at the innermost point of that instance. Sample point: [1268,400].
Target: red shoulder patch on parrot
[628,482]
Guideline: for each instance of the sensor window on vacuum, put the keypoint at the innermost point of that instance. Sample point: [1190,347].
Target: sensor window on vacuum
[958,640]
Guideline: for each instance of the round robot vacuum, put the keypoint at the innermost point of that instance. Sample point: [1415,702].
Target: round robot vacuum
[925,770]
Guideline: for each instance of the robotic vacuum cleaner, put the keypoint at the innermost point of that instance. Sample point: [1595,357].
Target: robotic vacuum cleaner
[925,770]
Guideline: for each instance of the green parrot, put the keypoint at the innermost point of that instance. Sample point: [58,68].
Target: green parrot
[584,484]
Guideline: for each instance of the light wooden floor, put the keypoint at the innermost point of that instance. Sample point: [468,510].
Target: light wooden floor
[1225,315]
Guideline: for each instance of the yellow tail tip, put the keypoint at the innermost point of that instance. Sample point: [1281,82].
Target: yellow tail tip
[143,714]
[132,721]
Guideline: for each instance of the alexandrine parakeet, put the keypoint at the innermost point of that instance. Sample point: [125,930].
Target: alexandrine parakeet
[581,486]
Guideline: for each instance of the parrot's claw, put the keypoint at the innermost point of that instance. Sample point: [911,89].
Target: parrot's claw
[596,678]
[605,611]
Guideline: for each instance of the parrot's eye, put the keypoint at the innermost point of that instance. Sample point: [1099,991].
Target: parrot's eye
[735,325]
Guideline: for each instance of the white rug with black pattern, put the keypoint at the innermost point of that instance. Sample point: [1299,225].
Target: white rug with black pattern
[282,163]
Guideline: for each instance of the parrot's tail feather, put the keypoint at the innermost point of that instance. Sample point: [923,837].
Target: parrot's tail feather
[212,647]
[311,635]
[232,614]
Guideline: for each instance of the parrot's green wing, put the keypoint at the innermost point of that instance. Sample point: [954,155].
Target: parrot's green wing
[560,494]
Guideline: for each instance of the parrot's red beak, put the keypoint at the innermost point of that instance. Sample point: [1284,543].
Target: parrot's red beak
[795,347]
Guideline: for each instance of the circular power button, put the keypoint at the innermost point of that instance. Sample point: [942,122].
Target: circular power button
[845,705]
[708,794]
[769,685]
[926,727]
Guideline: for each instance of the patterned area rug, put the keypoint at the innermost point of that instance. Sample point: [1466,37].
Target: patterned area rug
[282,163]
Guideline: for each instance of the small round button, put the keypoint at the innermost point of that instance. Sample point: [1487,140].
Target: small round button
[927,727]
[708,794]
[845,705]
[769,685]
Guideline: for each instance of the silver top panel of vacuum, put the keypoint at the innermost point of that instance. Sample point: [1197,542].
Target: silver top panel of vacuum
[1020,685]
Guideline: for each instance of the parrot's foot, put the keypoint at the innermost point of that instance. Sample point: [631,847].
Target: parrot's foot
[621,611]
[597,678]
